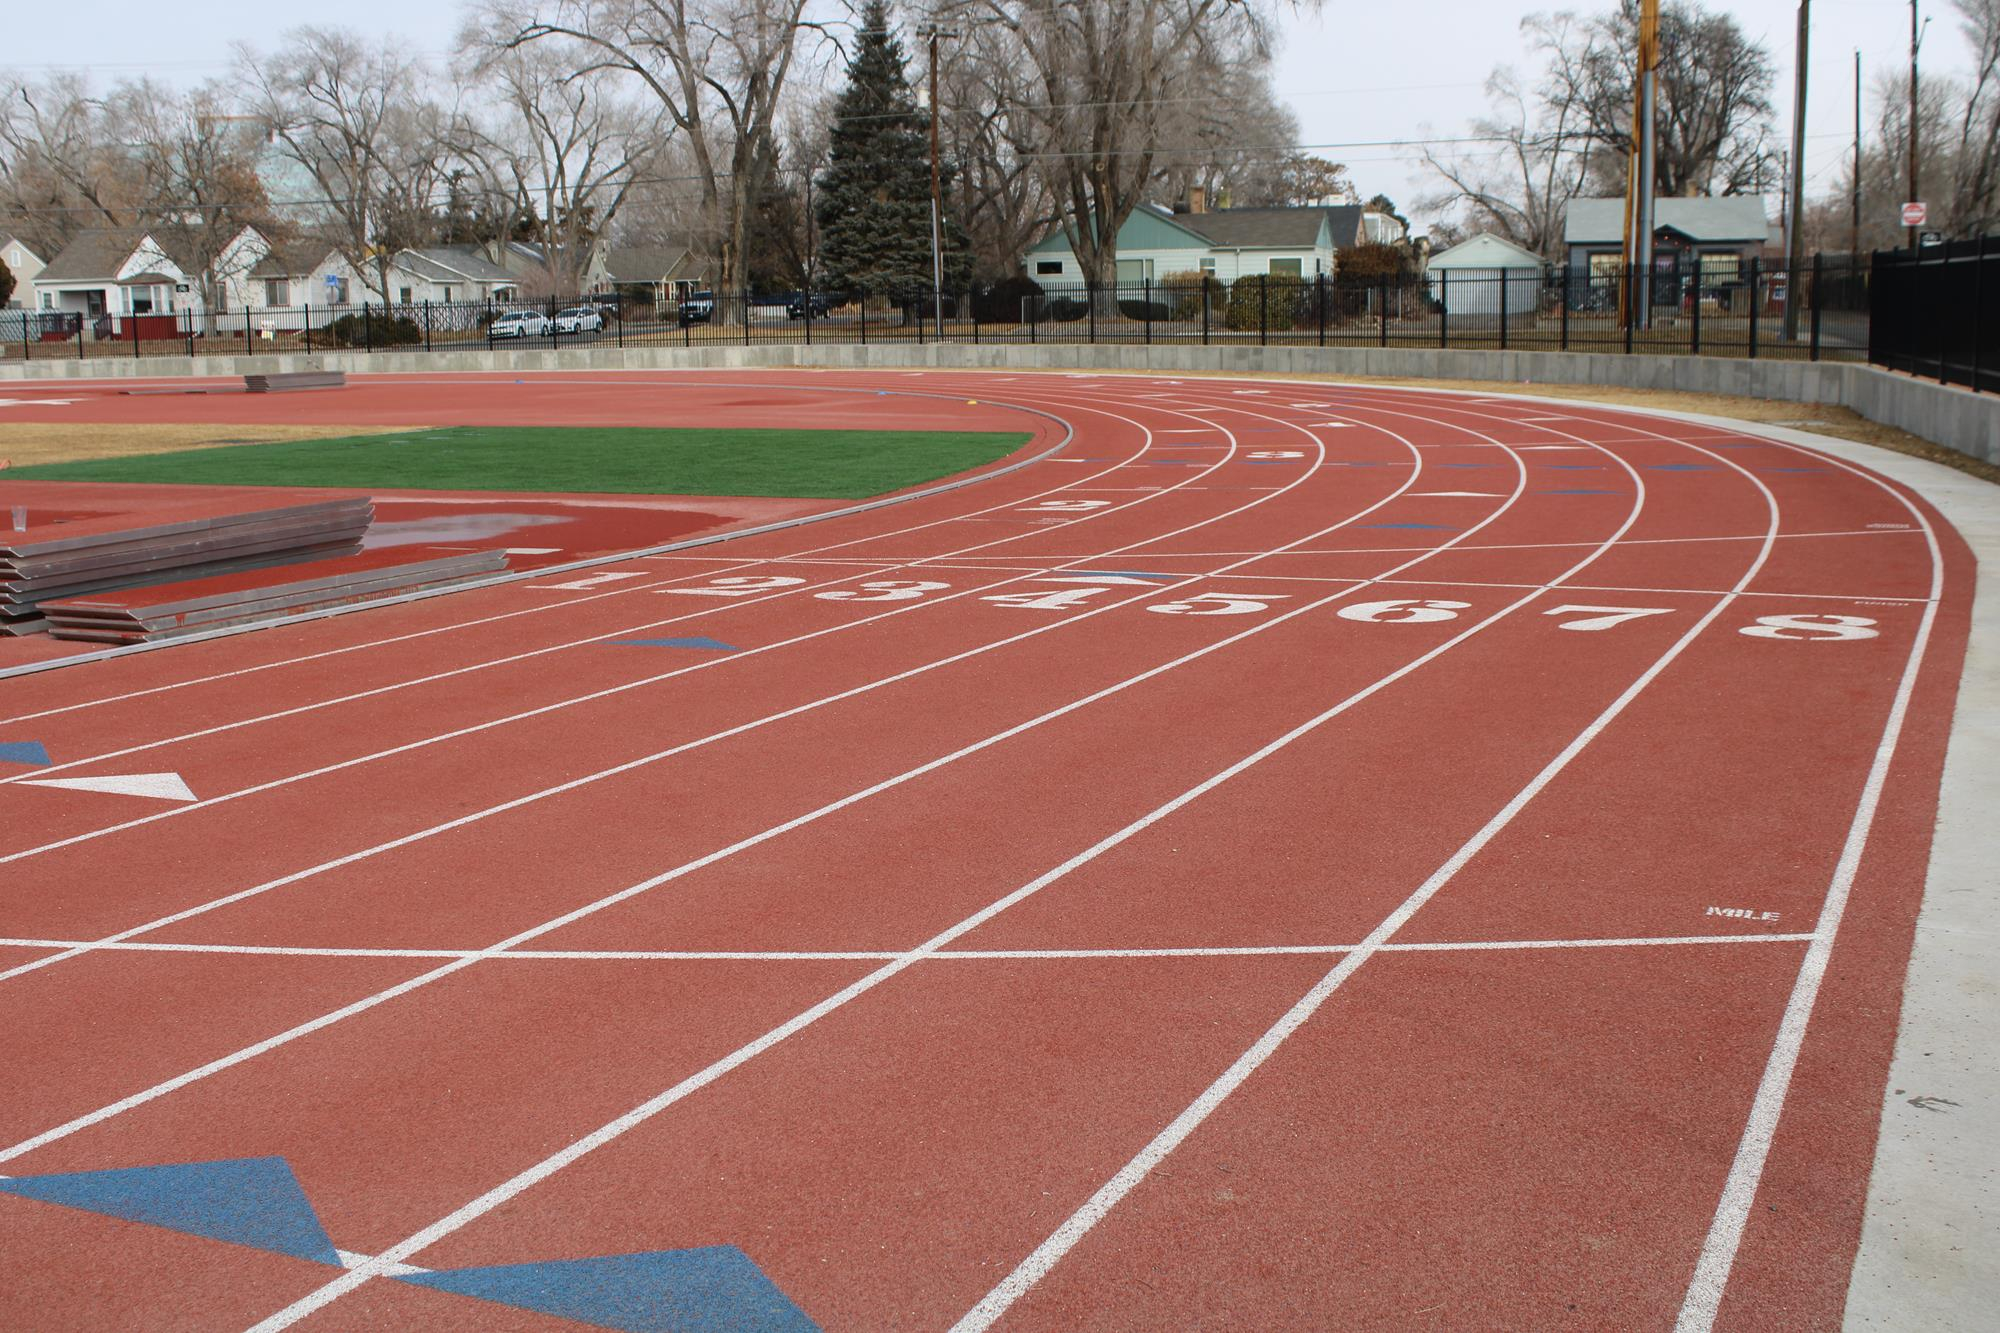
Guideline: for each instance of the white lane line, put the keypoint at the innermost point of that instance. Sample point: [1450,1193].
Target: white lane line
[549,1166]
[1093,1210]
[586,779]
[170,1085]
[1746,1170]
[853,955]
[36,775]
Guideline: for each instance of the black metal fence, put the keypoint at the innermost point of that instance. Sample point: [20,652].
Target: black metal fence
[1717,310]
[1937,312]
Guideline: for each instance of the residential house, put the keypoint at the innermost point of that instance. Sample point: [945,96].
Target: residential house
[24,264]
[1487,276]
[292,282]
[529,262]
[660,274]
[115,275]
[1721,235]
[1225,243]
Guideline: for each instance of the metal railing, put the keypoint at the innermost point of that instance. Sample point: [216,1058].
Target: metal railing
[1935,313]
[1734,311]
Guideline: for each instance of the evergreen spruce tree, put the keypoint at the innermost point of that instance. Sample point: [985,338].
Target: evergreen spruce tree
[874,198]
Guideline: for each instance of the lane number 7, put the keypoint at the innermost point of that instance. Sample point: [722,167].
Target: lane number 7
[1604,617]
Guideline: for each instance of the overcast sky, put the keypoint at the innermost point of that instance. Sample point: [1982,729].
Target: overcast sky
[1352,72]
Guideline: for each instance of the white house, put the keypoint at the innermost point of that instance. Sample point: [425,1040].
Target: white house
[128,272]
[1227,243]
[1487,276]
[294,284]
[666,274]
[24,264]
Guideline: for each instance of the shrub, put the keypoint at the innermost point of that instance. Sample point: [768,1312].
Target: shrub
[1276,301]
[1001,302]
[1182,293]
[1141,311]
[375,330]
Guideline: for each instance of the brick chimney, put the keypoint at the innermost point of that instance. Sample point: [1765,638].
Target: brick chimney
[1197,199]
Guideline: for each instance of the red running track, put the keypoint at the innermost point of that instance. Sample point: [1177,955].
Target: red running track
[1300,855]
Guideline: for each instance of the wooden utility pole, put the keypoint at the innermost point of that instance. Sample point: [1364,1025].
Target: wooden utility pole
[1854,200]
[1637,295]
[1915,37]
[1795,236]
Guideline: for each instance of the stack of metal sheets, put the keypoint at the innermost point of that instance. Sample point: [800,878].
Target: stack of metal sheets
[171,610]
[84,554]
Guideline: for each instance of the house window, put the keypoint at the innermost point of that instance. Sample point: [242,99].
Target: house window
[408,296]
[48,300]
[1720,267]
[1208,266]
[1048,268]
[1132,272]
[1295,267]
[447,293]
[277,291]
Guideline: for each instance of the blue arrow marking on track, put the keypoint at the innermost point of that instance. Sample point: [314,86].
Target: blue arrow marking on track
[1679,467]
[254,1201]
[1433,527]
[707,1290]
[25,752]
[710,645]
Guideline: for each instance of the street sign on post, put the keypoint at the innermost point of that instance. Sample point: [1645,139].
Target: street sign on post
[1914,214]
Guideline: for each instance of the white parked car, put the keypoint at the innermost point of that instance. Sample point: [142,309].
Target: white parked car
[579,319]
[521,324]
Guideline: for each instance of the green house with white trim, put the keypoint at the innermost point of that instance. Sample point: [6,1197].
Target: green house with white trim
[1227,244]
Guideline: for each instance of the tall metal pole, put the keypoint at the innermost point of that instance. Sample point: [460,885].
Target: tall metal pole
[1914,196]
[937,199]
[1640,182]
[1795,240]
[1854,201]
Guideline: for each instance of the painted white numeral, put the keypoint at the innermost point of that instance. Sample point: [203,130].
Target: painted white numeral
[1064,506]
[1059,600]
[1402,611]
[740,585]
[590,582]
[1276,453]
[1220,604]
[1606,616]
[885,590]
[1812,627]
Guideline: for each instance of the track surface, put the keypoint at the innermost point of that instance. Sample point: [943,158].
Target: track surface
[1302,855]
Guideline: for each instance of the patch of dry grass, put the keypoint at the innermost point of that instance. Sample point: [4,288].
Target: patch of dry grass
[25,443]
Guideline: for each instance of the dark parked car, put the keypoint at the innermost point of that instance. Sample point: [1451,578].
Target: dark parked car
[814,305]
[696,308]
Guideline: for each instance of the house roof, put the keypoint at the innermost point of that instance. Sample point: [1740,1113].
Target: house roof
[9,239]
[291,261]
[452,262]
[644,263]
[1486,251]
[95,253]
[1266,228]
[1729,218]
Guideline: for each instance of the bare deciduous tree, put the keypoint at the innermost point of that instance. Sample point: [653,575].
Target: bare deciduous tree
[1526,159]
[62,167]
[719,69]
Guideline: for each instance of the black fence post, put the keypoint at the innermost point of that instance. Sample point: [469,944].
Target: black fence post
[367,330]
[1694,322]
[1204,310]
[427,326]
[1943,337]
[972,306]
[807,294]
[1754,284]
[1319,295]
[922,319]
[1382,303]
[1034,314]
[1565,309]
[246,330]
[1444,308]
[1817,270]
[1503,309]
[79,337]
[864,319]
[746,316]
[1978,306]
[135,337]
[1146,295]
[306,325]
[1263,309]
[1090,299]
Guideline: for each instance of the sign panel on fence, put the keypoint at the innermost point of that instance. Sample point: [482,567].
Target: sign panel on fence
[1914,214]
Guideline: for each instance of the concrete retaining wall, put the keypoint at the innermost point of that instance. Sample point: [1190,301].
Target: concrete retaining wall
[1954,417]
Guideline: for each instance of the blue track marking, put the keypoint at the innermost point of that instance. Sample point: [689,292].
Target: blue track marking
[1679,467]
[715,1289]
[1430,527]
[32,753]
[254,1201]
[698,641]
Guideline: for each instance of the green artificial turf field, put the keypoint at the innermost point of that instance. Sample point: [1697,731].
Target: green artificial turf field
[806,464]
